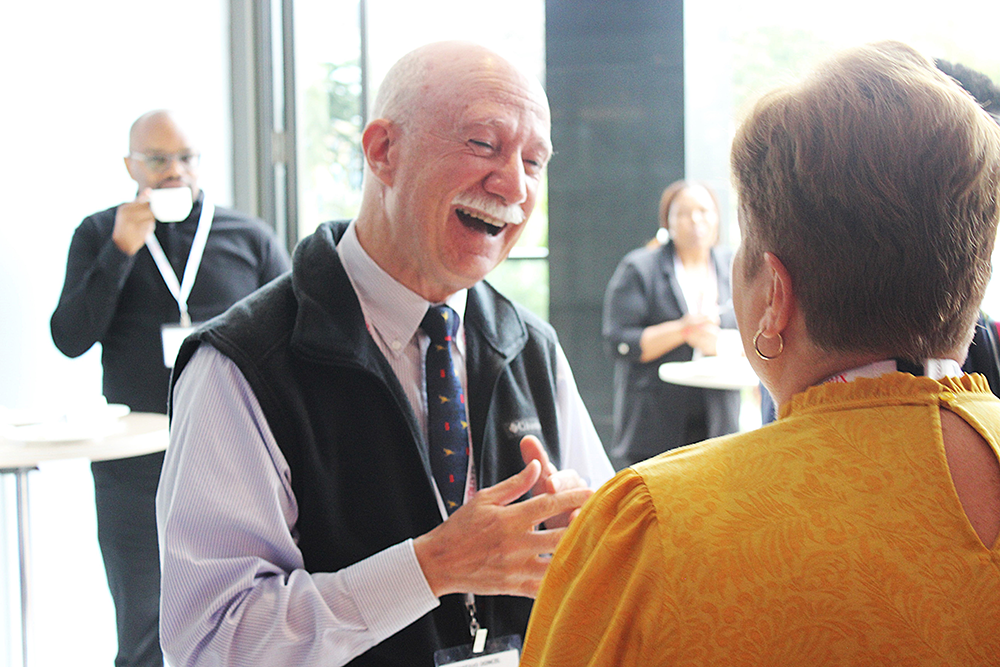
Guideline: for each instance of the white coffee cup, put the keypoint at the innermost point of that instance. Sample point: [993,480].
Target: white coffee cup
[171,204]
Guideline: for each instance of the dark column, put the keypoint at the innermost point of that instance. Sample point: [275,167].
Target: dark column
[615,81]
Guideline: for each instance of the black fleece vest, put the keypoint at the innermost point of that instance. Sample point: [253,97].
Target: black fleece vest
[359,465]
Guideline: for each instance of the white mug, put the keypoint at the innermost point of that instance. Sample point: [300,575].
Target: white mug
[171,204]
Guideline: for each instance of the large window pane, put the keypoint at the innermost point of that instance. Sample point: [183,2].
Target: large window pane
[328,101]
[734,51]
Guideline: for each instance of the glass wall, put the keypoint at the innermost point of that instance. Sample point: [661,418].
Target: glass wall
[734,51]
[328,101]
[81,74]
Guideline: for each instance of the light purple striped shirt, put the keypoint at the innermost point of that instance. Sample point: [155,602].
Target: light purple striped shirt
[234,588]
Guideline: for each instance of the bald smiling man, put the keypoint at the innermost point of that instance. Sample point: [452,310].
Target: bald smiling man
[302,518]
[127,276]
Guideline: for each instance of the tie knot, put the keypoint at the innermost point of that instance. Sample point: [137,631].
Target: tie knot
[440,324]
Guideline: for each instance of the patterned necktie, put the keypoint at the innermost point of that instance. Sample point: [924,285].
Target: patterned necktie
[447,425]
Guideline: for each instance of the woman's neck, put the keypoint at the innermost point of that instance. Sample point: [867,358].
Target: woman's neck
[802,364]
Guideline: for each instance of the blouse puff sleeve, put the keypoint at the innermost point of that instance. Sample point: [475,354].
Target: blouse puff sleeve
[602,600]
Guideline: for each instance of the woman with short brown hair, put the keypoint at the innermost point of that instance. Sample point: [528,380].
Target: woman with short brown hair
[861,527]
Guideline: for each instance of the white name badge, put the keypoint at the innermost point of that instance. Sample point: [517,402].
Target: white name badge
[500,652]
[508,658]
[173,335]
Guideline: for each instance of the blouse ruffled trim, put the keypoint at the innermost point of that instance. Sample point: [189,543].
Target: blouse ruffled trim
[897,388]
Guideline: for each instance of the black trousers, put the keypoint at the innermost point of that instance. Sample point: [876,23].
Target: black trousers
[125,491]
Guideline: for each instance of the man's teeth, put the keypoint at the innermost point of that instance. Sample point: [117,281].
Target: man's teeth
[482,217]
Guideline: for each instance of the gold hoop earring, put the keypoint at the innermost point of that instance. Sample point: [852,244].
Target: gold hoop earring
[756,346]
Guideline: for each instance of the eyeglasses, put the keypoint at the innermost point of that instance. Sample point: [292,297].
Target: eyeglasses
[158,162]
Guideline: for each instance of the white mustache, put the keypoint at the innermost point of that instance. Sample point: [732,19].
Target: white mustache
[489,210]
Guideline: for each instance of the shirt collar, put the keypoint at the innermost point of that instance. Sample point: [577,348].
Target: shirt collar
[933,368]
[392,311]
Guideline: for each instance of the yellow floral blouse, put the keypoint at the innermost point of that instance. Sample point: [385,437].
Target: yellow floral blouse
[832,537]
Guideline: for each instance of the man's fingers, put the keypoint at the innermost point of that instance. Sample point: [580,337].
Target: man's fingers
[538,509]
[512,488]
[490,546]
[545,542]
[529,579]
[532,450]
[564,480]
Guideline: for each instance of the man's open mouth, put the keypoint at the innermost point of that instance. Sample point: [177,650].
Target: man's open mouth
[480,222]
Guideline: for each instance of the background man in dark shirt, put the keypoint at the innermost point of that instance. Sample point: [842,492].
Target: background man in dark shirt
[117,294]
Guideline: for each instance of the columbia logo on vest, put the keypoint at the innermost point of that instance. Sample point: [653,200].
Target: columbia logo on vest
[522,426]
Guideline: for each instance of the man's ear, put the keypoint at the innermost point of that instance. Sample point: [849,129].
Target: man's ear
[780,297]
[128,168]
[378,141]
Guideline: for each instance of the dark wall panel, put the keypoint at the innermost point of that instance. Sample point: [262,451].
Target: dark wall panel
[615,81]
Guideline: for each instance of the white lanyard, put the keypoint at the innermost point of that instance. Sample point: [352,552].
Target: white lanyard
[181,291]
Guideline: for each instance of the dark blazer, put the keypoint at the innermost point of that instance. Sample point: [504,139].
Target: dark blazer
[652,416]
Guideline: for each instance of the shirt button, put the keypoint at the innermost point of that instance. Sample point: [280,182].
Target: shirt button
[395,345]
[623,348]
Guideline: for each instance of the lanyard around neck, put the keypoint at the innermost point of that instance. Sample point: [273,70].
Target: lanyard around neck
[182,290]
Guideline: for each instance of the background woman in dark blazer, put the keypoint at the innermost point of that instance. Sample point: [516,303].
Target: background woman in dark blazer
[666,302]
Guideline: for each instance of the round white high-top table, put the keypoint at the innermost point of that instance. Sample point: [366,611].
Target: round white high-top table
[23,449]
[725,372]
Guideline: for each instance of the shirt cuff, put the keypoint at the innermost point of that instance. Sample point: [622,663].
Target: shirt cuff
[390,589]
